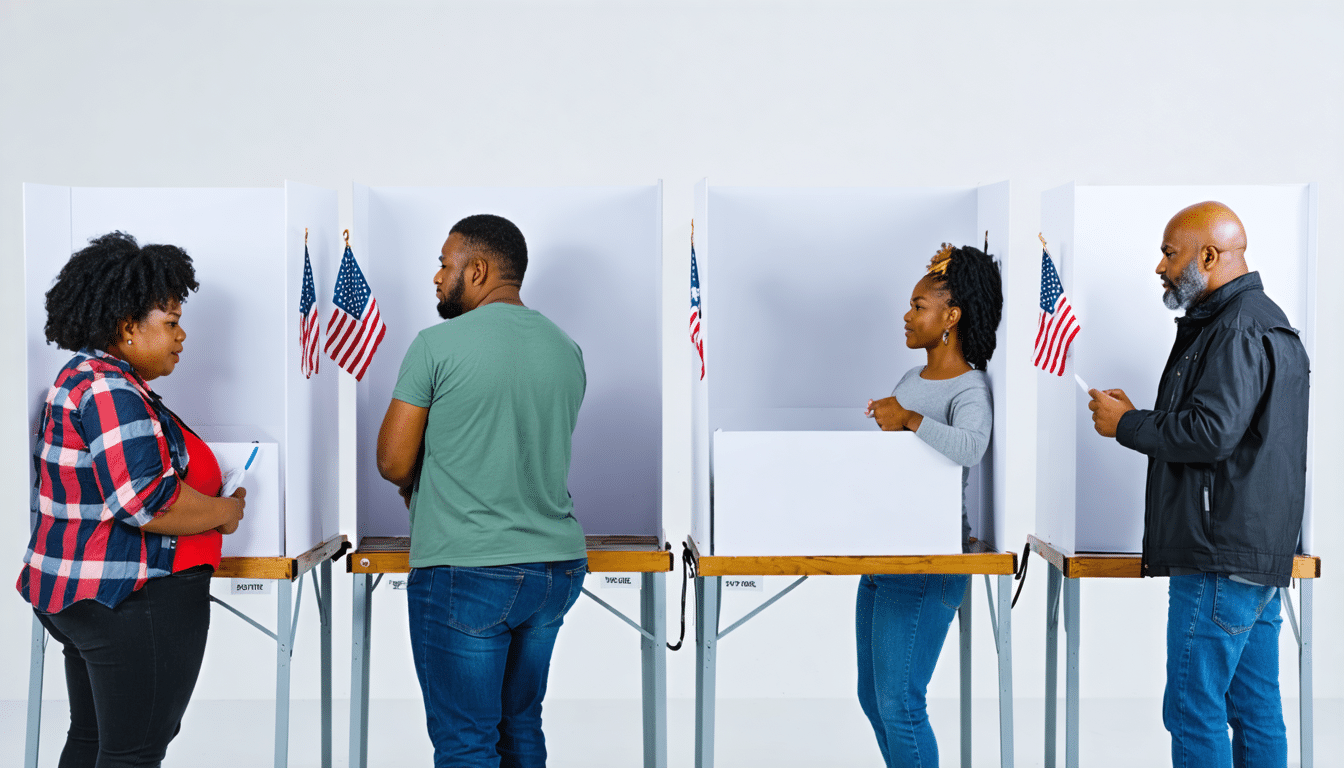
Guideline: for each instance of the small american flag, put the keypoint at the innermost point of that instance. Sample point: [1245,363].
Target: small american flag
[1058,326]
[310,327]
[355,329]
[696,340]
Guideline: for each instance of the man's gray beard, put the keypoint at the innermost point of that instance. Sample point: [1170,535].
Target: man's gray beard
[1186,289]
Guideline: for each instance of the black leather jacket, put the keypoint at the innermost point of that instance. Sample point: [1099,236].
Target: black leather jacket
[1226,441]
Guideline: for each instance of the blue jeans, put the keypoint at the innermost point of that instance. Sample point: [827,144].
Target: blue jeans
[900,625]
[482,641]
[1223,669]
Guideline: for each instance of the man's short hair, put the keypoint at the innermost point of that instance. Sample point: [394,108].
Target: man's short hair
[499,238]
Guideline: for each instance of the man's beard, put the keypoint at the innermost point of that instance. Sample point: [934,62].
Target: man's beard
[451,306]
[1185,290]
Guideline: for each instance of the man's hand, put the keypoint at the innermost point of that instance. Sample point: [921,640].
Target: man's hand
[891,416]
[1107,407]
[232,525]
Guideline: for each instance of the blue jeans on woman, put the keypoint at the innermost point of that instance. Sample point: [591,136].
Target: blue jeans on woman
[482,641]
[1223,670]
[900,625]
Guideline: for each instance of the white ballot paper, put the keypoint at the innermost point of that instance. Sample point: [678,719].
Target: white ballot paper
[1082,385]
[233,478]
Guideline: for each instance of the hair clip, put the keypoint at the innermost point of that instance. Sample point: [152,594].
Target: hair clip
[938,266]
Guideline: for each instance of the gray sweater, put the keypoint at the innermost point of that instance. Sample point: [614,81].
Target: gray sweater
[958,418]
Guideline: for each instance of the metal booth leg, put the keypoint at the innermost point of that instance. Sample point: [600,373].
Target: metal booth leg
[964,655]
[362,603]
[653,658]
[1071,626]
[1052,588]
[708,590]
[1004,643]
[324,607]
[284,643]
[1304,673]
[36,662]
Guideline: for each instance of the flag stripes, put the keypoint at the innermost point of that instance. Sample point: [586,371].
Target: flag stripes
[355,328]
[1058,325]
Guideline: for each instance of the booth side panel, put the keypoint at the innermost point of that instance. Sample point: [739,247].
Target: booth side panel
[351,483]
[700,436]
[1055,395]
[657,246]
[390,273]
[992,216]
[311,423]
[1311,205]
[46,247]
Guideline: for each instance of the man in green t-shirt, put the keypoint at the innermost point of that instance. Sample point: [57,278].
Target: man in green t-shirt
[477,439]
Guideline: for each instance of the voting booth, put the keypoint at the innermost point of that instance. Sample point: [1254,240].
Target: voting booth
[239,383]
[802,295]
[594,267]
[1105,244]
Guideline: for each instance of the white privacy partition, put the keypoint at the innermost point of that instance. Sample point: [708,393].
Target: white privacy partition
[803,293]
[239,378]
[1104,242]
[594,263]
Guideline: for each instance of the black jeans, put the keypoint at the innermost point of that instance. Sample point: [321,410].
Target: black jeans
[130,670]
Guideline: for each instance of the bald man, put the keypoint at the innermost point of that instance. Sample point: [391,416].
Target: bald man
[1226,444]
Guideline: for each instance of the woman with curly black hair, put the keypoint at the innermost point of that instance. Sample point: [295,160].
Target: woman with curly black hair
[127,518]
[902,620]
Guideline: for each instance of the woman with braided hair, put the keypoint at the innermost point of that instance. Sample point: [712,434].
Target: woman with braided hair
[902,620]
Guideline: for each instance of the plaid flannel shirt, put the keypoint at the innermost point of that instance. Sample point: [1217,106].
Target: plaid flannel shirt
[107,459]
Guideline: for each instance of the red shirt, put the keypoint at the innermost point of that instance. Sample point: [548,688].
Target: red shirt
[203,475]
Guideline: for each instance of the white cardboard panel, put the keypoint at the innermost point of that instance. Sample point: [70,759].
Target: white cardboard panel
[834,493]
[312,514]
[594,264]
[239,325]
[810,288]
[1055,395]
[1127,333]
[230,370]
[986,492]
[46,241]
[792,345]
[701,445]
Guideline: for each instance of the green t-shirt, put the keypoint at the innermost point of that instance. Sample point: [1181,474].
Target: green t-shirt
[503,387]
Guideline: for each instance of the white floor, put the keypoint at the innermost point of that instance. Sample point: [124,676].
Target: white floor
[606,734]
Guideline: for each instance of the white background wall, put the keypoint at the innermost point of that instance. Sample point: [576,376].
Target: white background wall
[799,93]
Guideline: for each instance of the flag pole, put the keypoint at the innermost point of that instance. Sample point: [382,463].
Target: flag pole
[1044,247]
[692,233]
[347,238]
[305,237]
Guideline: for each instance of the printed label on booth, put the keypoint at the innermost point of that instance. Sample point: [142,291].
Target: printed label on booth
[249,587]
[617,580]
[744,583]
